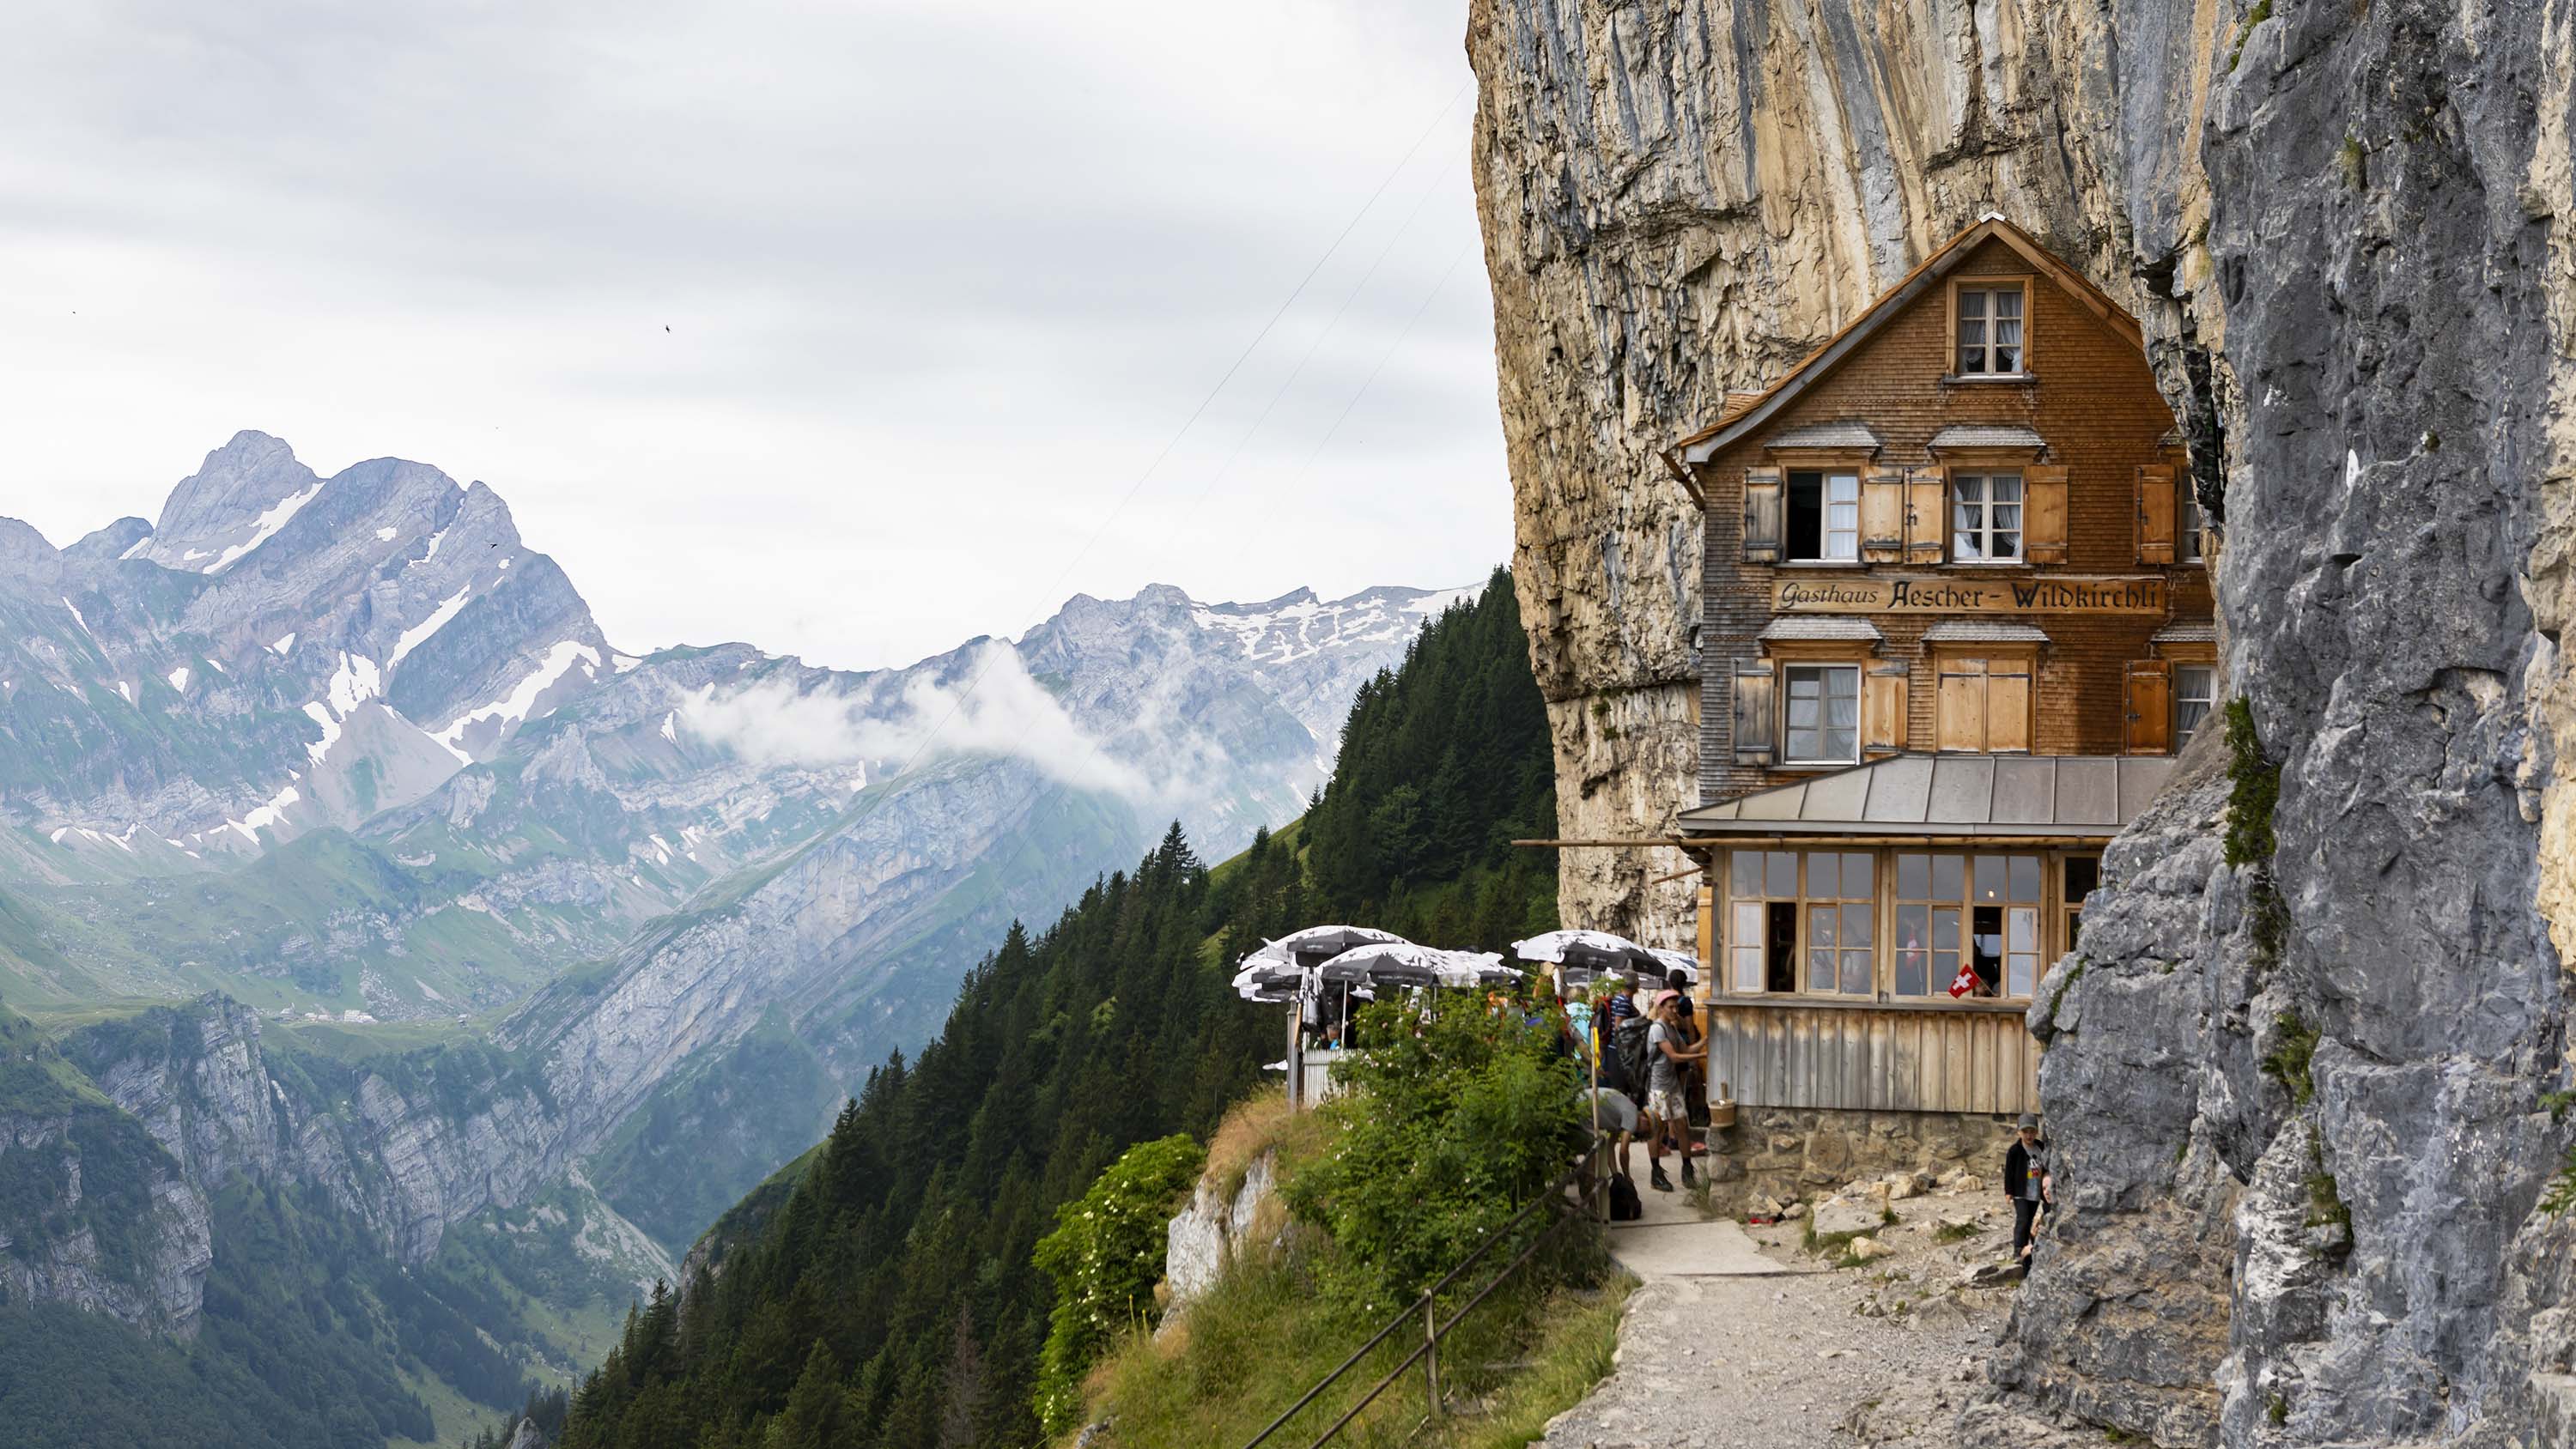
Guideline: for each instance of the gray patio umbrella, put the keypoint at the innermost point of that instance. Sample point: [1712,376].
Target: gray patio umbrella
[1401,963]
[1584,955]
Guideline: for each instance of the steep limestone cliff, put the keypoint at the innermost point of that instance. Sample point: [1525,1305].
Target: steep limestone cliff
[2301,1175]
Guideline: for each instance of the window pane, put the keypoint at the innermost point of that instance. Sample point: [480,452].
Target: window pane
[2021,929]
[1744,877]
[2007,358]
[1824,881]
[2023,871]
[1971,303]
[1990,877]
[1781,875]
[1820,971]
[1945,878]
[1748,969]
[1913,876]
[1820,927]
[1842,703]
[1860,925]
[2008,302]
[1913,946]
[2020,974]
[2008,332]
[1842,488]
[2083,872]
[1856,876]
[1945,935]
[1971,487]
[1841,743]
[1856,973]
[2006,487]
[1748,925]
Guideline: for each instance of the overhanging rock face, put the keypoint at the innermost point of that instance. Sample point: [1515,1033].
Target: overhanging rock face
[2350,234]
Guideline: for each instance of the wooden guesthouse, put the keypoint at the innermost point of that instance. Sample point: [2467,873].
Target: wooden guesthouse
[1956,624]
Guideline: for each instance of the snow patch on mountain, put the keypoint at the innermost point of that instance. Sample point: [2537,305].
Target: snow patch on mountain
[353,683]
[178,678]
[418,634]
[512,708]
[264,529]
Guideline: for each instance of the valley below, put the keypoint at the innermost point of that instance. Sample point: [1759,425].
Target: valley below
[360,900]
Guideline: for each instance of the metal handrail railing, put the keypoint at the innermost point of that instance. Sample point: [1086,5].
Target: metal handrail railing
[1427,1306]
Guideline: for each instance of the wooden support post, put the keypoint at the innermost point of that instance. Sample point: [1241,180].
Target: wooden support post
[1431,1349]
[1296,1053]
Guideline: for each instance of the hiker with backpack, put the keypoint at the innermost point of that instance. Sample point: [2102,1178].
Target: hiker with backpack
[1669,1053]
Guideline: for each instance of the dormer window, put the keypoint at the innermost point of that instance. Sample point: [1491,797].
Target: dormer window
[1824,517]
[1990,318]
[1987,525]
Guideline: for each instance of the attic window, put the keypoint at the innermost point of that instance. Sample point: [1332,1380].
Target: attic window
[1824,517]
[1990,320]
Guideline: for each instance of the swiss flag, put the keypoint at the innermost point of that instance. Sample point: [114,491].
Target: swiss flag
[1964,982]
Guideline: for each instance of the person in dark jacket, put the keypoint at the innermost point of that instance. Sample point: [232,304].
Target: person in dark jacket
[2026,1183]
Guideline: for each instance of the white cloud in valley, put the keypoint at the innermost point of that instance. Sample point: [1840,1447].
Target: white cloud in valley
[991,707]
[843,330]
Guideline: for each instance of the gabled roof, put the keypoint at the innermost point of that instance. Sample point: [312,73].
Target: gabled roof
[1999,795]
[1735,421]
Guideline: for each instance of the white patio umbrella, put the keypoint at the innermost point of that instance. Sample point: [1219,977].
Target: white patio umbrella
[1401,963]
[1584,955]
[1317,944]
[1682,961]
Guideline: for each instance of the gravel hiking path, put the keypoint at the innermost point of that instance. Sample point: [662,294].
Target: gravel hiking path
[1738,1337]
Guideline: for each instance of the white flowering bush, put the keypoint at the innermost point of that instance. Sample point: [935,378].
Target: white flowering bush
[1106,1255]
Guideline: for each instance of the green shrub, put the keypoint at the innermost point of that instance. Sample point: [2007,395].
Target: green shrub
[1454,1121]
[2290,1061]
[2254,789]
[1106,1255]
[2561,1194]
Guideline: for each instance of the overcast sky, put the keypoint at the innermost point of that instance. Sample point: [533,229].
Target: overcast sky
[941,280]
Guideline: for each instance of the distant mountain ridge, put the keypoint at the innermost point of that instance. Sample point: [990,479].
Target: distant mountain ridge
[347,745]
[380,653]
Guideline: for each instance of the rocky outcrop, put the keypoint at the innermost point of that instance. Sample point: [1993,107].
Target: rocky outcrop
[1221,1222]
[2346,230]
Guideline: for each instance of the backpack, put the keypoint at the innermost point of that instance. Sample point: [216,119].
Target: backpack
[1625,1207]
[1630,1044]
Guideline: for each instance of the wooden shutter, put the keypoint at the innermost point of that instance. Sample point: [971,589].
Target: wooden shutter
[1762,515]
[2155,514]
[1927,516]
[2008,705]
[1882,515]
[2043,517]
[1961,705]
[1756,713]
[1882,708]
[2150,707]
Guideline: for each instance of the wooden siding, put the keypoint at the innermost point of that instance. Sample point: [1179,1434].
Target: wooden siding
[1788,1055]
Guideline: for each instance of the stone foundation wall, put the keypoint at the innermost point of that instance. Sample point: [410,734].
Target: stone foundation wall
[1790,1153]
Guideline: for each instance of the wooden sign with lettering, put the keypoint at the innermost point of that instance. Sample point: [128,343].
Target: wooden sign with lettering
[1952,594]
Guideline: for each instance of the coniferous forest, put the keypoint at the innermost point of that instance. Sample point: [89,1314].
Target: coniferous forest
[880,1293]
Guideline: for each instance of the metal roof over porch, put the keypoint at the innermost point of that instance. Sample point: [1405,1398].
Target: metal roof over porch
[2000,795]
